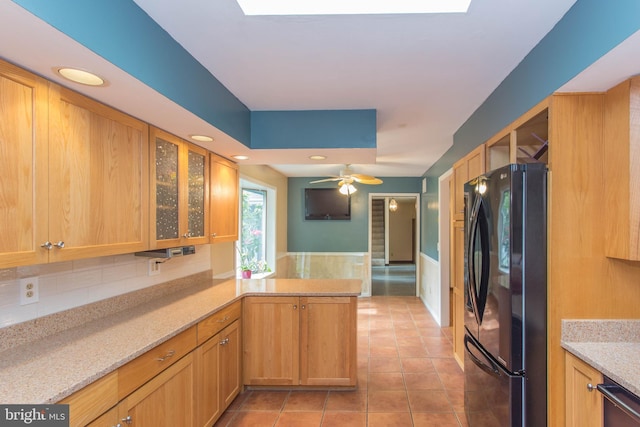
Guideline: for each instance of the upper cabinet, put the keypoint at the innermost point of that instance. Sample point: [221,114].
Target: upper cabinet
[23,175]
[225,183]
[98,179]
[180,183]
[622,170]
[469,167]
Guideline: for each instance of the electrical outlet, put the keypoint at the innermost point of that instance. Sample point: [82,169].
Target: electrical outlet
[154,267]
[29,290]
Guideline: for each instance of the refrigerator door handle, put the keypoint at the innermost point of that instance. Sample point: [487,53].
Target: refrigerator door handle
[477,223]
[492,369]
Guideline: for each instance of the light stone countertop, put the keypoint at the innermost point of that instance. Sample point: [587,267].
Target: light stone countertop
[53,367]
[610,346]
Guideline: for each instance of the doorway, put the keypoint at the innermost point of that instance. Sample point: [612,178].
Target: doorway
[393,244]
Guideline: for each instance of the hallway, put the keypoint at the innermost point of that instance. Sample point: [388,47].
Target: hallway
[393,280]
[406,377]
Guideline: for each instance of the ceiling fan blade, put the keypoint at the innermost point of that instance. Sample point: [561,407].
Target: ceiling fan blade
[326,180]
[366,179]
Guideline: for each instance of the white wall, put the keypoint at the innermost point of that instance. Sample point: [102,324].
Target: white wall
[72,284]
[431,291]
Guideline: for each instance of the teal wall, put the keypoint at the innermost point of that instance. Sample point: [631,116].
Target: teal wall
[313,129]
[588,30]
[336,236]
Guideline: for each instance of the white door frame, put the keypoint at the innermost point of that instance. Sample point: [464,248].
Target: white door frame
[416,256]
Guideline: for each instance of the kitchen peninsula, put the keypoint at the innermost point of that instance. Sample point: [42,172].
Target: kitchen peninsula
[116,349]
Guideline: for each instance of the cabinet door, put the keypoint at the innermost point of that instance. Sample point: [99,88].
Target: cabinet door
[208,381]
[196,219]
[475,162]
[230,363]
[457,282]
[23,175]
[98,178]
[328,348]
[166,400]
[224,184]
[271,340]
[584,403]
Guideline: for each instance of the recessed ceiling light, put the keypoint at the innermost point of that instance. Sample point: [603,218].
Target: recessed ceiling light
[81,76]
[201,138]
[351,7]
[317,157]
[240,157]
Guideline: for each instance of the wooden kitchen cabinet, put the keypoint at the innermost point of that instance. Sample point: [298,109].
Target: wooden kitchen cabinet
[328,345]
[91,402]
[457,290]
[180,191]
[622,170]
[166,400]
[300,341]
[583,401]
[97,180]
[271,340]
[224,200]
[465,169]
[219,371]
[23,177]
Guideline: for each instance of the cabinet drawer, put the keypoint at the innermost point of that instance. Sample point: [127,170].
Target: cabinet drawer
[92,401]
[143,368]
[218,321]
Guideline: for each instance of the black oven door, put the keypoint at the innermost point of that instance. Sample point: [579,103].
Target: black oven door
[621,407]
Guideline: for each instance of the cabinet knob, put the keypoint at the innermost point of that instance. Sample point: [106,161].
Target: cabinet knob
[590,387]
[224,319]
[59,245]
[303,306]
[47,245]
[295,306]
[186,235]
[224,341]
[214,234]
[127,420]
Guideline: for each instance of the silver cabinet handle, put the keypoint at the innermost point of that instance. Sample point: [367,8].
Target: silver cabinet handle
[295,306]
[224,319]
[303,306]
[166,356]
[590,387]
[47,245]
[186,235]
[127,420]
[59,245]
[224,341]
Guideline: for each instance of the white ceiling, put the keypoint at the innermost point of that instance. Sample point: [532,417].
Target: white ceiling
[424,74]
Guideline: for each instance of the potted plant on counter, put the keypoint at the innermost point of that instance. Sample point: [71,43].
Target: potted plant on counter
[251,265]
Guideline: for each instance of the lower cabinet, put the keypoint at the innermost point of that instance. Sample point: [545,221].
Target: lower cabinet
[300,341]
[583,402]
[219,376]
[177,383]
[166,400]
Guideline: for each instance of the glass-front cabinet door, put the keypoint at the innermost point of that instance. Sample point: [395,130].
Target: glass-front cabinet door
[179,173]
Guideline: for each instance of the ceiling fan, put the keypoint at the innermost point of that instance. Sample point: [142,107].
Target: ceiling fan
[347,178]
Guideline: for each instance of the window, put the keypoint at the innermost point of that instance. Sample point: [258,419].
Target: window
[256,246]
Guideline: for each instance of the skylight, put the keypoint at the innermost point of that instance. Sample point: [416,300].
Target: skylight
[351,7]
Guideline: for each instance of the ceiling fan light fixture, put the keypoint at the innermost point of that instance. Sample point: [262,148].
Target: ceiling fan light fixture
[393,205]
[347,189]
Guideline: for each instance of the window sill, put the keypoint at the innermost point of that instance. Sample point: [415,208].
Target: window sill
[264,275]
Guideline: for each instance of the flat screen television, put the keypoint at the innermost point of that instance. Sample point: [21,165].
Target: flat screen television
[326,204]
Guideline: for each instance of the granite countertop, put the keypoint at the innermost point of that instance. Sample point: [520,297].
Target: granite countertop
[610,346]
[51,368]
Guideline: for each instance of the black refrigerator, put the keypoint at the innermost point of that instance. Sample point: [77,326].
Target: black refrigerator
[505,297]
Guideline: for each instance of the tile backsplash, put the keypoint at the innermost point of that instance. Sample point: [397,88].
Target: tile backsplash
[72,284]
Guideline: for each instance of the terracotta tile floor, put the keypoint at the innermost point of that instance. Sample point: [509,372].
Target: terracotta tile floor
[406,377]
